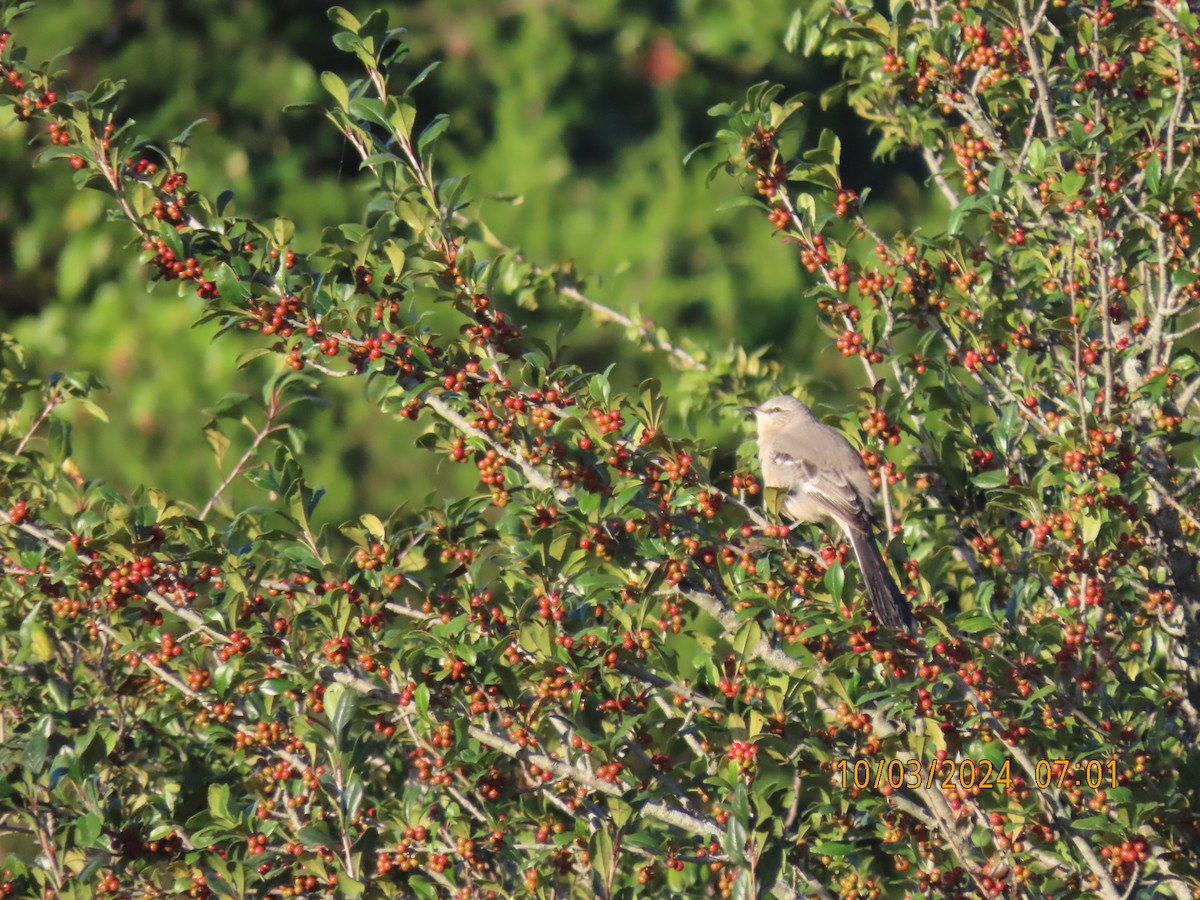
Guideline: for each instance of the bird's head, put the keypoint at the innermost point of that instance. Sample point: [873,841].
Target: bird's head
[779,412]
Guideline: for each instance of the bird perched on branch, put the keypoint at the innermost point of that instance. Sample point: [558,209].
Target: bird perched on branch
[821,478]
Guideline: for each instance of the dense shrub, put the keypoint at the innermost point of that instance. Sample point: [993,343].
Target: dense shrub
[604,671]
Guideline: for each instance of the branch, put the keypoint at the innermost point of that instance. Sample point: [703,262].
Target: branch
[934,164]
[1035,68]
[267,429]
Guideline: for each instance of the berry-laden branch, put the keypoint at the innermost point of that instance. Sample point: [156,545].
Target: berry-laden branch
[606,628]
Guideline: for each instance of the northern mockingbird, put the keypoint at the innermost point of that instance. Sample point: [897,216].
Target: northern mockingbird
[824,479]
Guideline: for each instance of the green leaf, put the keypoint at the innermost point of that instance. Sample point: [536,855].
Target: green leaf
[749,636]
[741,886]
[968,205]
[229,406]
[1153,172]
[835,581]
[396,257]
[231,288]
[352,796]
[244,359]
[340,704]
[740,807]
[773,497]
[336,88]
[984,594]
[1071,183]
[423,887]
[431,131]
[37,748]
[185,136]
[374,526]
[283,230]
[401,117]
[171,238]
[343,19]
[315,835]
[698,149]
[218,803]
[93,409]
[40,643]
[791,37]
[422,75]
[733,841]
[974,622]
[347,42]
[603,857]
[813,34]
[87,829]
[993,478]
[620,812]
[831,146]
[589,503]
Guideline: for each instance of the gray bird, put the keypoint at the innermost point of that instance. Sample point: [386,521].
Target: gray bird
[825,480]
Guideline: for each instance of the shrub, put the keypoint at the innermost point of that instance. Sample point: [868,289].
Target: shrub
[604,672]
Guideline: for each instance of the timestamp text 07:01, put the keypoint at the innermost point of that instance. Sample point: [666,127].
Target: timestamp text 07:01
[864,774]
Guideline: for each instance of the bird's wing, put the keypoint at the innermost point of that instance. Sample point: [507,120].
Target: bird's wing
[859,480]
[827,467]
[811,497]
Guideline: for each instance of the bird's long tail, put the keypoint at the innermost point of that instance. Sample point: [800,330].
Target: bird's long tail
[890,606]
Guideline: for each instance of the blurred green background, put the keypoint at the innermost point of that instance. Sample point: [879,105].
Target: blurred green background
[584,109]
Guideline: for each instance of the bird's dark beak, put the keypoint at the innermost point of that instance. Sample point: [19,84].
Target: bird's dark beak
[749,410]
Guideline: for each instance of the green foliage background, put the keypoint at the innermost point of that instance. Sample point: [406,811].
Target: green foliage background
[581,111]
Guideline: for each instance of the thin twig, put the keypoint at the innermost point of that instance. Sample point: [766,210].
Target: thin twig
[55,398]
[268,428]
[1035,69]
